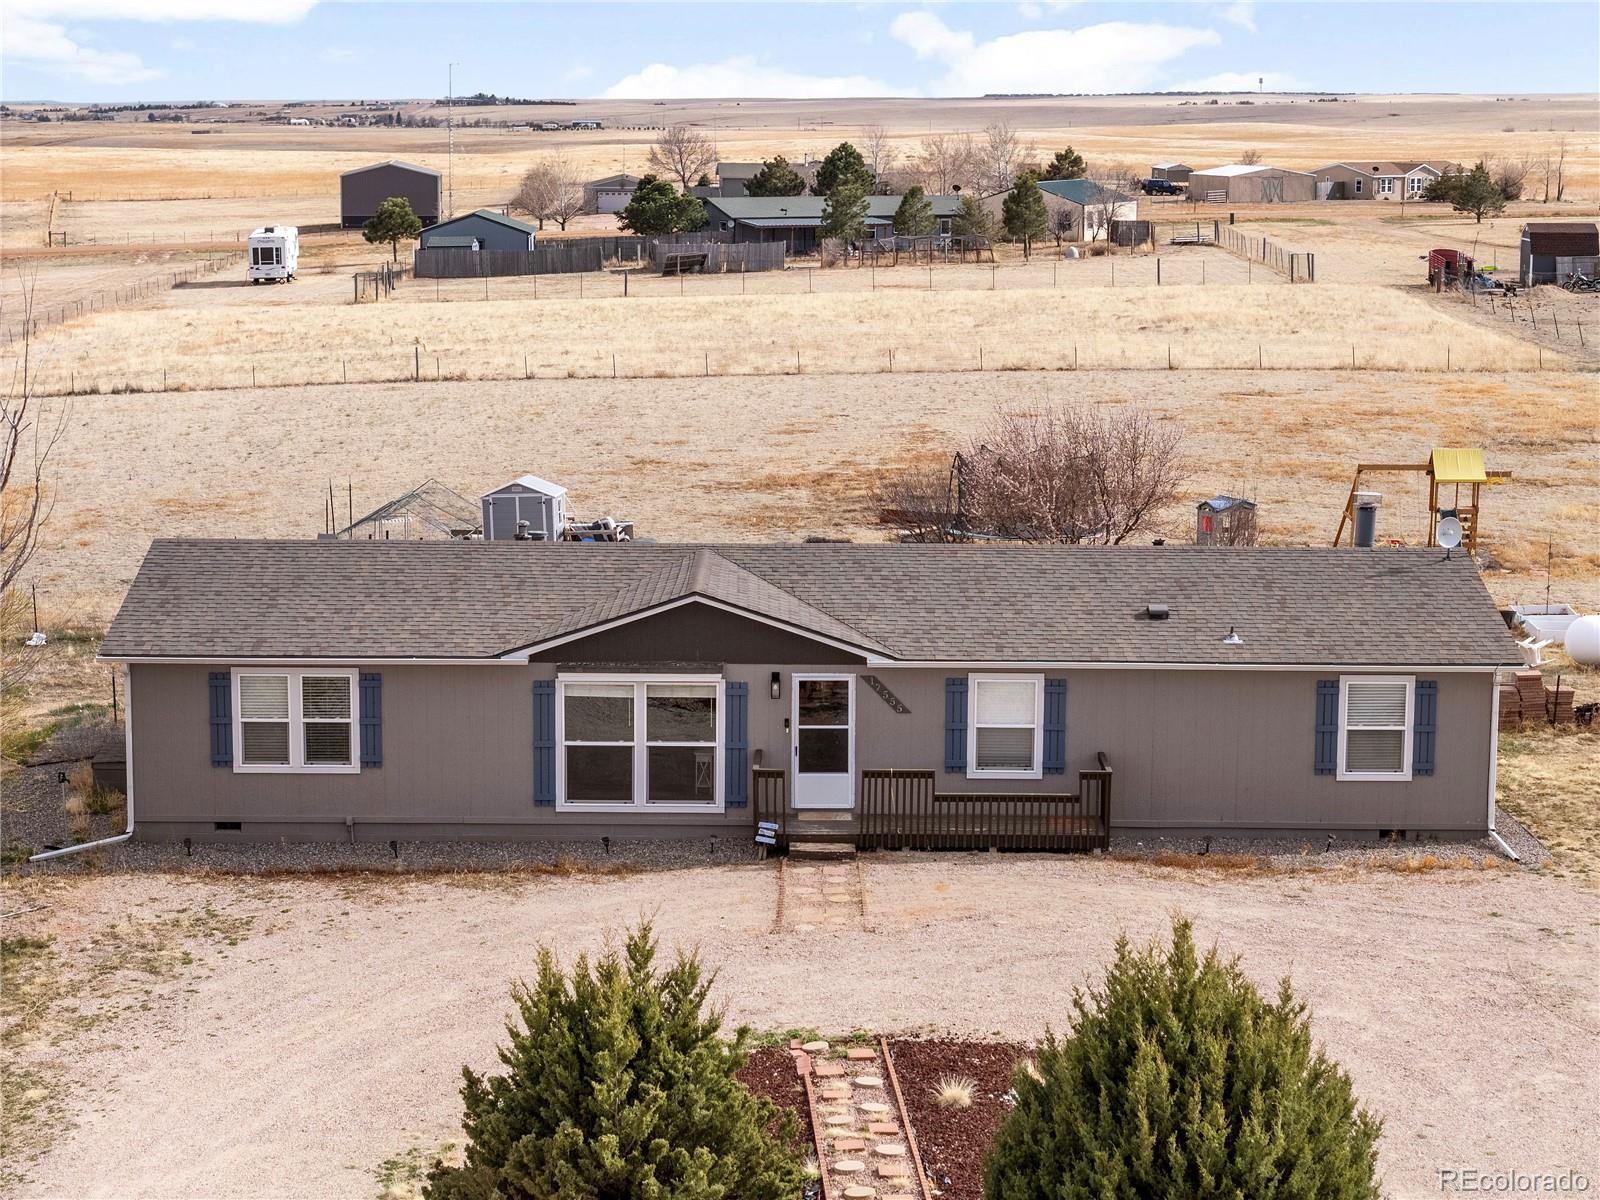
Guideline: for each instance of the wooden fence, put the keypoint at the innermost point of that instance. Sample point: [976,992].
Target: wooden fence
[902,810]
[1297,266]
[676,257]
[769,801]
[546,258]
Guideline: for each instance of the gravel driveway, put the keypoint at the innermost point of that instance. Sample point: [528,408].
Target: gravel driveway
[230,1037]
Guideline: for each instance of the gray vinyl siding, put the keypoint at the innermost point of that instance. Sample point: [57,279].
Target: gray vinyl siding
[361,193]
[491,235]
[1222,751]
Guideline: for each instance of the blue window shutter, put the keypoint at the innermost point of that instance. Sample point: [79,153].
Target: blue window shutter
[371,719]
[955,723]
[736,789]
[1424,725]
[1055,726]
[544,741]
[1327,726]
[221,719]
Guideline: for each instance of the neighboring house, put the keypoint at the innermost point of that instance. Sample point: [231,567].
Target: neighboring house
[1249,183]
[610,194]
[362,190]
[1093,205]
[1378,181]
[797,220]
[733,178]
[334,690]
[488,229]
[1172,172]
[1553,250]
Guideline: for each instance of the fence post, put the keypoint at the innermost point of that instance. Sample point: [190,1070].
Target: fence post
[416,373]
[1158,284]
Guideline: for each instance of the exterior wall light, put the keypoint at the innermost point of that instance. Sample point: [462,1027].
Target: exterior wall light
[777,686]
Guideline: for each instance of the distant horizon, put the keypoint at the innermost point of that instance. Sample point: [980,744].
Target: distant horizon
[111,51]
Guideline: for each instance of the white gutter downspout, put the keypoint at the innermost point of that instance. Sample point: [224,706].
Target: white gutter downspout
[1494,765]
[127,754]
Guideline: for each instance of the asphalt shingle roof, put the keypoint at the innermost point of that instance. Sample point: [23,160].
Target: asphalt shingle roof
[393,599]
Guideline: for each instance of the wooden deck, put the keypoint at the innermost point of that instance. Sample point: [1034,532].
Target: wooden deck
[903,810]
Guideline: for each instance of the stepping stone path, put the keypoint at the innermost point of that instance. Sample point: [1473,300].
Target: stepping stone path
[825,896]
[861,1134]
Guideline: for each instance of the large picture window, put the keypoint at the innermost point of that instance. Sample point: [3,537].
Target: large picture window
[1375,727]
[648,741]
[294,720]
[1006,715]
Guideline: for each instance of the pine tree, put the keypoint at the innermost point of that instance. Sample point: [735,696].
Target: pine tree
[619,1086]
[394,222]
[1179,1079]
[656,208]
[1067,164]
[1474,192]
[844,213]
[914,216]
[972,222]
[1023,213]
[776,178]
[843,167]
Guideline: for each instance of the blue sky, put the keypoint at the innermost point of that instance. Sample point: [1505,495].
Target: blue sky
[131,50]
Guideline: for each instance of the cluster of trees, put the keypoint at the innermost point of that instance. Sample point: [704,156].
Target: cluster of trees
[1073,474]
[1488,187]
[1178,1078]
[552,190]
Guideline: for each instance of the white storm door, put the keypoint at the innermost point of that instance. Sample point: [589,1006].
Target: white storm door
[823,718]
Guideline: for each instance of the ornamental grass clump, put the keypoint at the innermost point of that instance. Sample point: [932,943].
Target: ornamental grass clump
[619,1086]
[1180,1079]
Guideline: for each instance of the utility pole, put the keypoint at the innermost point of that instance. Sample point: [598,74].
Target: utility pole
[450,137]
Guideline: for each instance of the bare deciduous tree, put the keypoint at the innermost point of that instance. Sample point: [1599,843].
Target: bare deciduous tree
[1063,223]
[1250,157]
[551,191]
[1555,172]
[879,152]
[1071,474]
[1108,190]
[30,430]
[1511,175]
[944,161]
[1001,156]
[683,153]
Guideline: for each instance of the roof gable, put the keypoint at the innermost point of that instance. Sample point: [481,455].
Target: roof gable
[1082,191]
[484,214]
[393,162]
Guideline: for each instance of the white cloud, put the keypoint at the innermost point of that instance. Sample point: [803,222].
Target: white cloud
[1115,56]
[1244,81]
[1242,13]
[1034,9]
[37,39]
[45,46]
[741,75]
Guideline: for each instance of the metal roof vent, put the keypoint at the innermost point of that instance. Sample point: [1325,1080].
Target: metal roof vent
[1156,612]
[1233,639]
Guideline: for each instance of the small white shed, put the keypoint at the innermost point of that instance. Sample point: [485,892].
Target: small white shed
[526,509]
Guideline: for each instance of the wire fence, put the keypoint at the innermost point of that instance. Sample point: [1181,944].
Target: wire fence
[1133,352]
[113,297]
[1540,314]
[1297,266]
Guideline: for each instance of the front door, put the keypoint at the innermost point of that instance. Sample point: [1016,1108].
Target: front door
[824,724]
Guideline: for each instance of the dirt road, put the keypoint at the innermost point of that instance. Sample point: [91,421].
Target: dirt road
[285,1037]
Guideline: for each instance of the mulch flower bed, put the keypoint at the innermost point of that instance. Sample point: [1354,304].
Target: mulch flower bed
[769,1072]
[954,1141]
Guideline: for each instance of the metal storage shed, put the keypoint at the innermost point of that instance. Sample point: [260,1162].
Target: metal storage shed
[1249,183]
[1552,250]
[489,229]
[526,509]
[1173,172]
[362,190]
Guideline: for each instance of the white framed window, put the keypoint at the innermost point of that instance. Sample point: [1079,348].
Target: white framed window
[639,741]
[1005,721]
[1386,185]
[1358,185]
[294,720]
[1416,183]
[1375,726]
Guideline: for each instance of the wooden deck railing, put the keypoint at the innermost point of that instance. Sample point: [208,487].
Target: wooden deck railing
[903,810]
[769,801]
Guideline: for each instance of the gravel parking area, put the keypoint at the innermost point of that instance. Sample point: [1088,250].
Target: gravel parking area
[195,1036]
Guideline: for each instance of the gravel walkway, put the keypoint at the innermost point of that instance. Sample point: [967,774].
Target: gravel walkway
[313,1027]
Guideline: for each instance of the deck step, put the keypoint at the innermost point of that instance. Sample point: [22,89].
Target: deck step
[819,851]
[824,814]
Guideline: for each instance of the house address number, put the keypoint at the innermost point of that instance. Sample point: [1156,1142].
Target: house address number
[883,691]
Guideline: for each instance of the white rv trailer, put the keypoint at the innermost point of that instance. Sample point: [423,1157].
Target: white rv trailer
[274,254]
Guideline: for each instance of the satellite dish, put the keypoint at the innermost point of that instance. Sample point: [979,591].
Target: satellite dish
[1448,532]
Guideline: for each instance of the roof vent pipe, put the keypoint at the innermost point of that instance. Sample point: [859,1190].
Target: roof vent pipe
[1156,612]
[1366,522]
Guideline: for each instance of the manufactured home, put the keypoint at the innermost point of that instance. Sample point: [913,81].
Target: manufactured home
[274,254]
[796,221]
[329,690]
[1379,180]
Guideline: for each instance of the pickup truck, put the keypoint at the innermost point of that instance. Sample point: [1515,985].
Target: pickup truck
[1160,187]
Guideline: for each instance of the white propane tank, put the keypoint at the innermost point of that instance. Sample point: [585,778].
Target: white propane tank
[1583,641]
